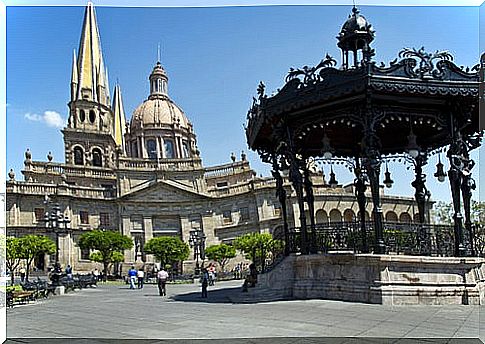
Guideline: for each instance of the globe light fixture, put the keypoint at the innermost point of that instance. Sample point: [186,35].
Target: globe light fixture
[440,173]
[387,180]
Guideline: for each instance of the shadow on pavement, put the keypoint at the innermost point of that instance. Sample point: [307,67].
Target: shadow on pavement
[233,295]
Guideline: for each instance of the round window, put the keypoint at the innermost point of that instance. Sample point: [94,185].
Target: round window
[82,116]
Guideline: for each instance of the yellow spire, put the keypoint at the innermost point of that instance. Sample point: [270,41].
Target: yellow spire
[120,120]
[74,76]
[90,61]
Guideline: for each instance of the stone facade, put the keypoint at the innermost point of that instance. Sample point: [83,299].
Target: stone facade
[145,178]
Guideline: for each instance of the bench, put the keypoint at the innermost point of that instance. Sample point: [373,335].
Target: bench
[21,297]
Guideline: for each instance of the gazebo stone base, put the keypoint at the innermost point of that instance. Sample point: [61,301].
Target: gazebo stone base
[380,279]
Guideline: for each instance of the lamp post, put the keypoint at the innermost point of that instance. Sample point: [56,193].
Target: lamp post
[57,222]
[197,242]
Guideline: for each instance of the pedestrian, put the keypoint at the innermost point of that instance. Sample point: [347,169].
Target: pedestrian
[132,277]
[212,274]
[22,274]
[253,274]
[141,276]
[96,274]
[162,277]
[204,279]
[69,272]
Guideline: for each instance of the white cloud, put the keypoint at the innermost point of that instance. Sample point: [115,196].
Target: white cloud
[33,117]
[50,118]
[53,119]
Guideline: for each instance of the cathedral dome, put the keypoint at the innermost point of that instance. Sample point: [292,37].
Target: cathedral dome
[157,112]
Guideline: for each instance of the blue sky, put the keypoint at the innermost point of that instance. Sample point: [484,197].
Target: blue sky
[215,58]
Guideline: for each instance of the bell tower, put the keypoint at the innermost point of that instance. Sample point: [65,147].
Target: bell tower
[90,135]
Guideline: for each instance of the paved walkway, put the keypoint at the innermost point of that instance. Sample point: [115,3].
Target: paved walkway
[111,311]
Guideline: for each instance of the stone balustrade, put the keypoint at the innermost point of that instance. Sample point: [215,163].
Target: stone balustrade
[160,164]
[60,190]
[227,169]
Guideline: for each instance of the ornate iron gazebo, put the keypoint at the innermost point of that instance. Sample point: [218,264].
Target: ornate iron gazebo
[366,113]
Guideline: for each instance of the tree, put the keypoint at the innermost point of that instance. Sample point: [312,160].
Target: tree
[107,243]
[33,245]
[258,245]
[444,212]
[220,253]
[13,256]
[167,250]
[116,257]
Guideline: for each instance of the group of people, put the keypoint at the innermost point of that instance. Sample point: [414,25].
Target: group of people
[136,277]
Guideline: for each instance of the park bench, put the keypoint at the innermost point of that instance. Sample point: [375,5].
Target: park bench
[19,297]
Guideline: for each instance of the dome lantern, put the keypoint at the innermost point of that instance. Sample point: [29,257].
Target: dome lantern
[356,34]
[158,82]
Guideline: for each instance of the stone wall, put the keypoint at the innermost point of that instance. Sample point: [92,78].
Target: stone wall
[381,279]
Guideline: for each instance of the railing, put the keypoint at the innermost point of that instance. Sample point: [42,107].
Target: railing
[78,171]
[160,164]
[399,238]
[227,169]
[60,190]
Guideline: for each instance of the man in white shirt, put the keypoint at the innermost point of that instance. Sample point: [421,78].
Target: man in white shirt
[162,277]
[141,275]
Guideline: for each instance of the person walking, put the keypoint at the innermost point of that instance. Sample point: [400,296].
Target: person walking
[69,272]
[132,277]
[141,276]
[22,274]
[162,277]
[96,274]
[204,279]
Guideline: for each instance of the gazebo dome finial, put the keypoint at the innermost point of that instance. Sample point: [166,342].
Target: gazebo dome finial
[356,34]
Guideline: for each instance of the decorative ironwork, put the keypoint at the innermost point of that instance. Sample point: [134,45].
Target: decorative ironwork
[426,67]
[311,75]
[400,238]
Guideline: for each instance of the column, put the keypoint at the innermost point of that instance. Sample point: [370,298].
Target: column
[148,234]
[360,187]
[310,199]
[125,229]
[281,194]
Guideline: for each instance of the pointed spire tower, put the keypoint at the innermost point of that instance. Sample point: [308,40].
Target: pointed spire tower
[92,78]
[120,119]
[90,136]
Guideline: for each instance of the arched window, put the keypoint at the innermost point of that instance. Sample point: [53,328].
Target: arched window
[405,218]
[152,149]
[366,215]
[349,215]
[169,151]
[416,218]
[92,116]
[321,216]
[82,116]
[335,216]
[391,216]
[78,156]
[134,153]
[97,157]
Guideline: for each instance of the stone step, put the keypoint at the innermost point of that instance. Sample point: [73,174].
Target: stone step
[255,295]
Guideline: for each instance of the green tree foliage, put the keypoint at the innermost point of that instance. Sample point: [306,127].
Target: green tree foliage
[221,254]
[116,257]
[108,245]
[258,246]
[13,255]
[33,245]
[167,250]
[443,212]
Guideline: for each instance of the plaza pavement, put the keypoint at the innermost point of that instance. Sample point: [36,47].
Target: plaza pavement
[115,311]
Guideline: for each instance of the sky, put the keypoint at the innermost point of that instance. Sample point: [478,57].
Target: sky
[215,57]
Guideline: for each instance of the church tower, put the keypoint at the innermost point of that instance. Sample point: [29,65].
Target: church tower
[92,135]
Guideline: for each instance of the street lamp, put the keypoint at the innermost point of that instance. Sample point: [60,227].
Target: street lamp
[197,242]
[57,222]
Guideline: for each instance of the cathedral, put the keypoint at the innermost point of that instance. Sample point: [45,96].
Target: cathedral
[144,176]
